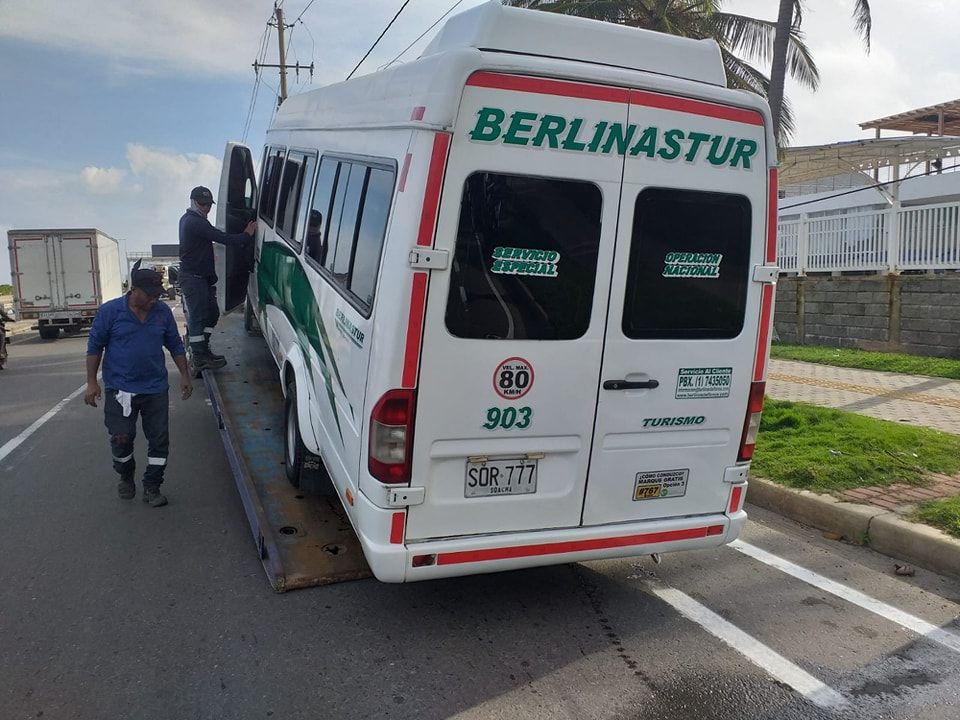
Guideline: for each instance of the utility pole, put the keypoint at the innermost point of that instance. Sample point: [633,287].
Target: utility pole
[278,15]
[278,11]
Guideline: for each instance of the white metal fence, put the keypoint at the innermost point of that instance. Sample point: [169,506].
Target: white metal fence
[925,237]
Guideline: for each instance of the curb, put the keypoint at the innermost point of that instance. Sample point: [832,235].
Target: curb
[881,530]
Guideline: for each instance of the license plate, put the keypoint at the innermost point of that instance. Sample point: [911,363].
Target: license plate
[515,476]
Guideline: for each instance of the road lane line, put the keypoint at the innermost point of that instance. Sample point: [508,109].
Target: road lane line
[13,444]
[911,622]
[756,652]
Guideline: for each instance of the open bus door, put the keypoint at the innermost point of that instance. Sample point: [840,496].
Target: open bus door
[235,208]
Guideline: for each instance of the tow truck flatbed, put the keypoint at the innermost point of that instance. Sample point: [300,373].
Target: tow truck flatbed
[302,540]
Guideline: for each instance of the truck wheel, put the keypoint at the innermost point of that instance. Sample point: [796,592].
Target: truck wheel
[305,470]
[49,332]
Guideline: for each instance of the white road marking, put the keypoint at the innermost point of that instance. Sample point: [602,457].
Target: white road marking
[756,652]
[13,444]
[911,622]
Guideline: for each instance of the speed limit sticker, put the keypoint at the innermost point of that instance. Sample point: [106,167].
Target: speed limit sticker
[513,378]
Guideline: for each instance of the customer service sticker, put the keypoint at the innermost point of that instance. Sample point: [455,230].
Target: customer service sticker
[657,484]
[705,382]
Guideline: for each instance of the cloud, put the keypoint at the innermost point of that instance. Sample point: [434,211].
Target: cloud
[217,39]
[155,186]
[102,181]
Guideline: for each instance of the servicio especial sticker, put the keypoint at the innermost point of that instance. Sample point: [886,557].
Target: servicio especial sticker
[525,261]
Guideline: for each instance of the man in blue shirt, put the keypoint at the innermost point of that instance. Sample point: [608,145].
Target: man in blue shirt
[129,334]
[198,280]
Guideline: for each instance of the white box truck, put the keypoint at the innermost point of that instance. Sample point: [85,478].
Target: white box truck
[61,276]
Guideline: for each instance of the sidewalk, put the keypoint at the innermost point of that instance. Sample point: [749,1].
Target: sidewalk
[908,399]
[871,514]
[20,327]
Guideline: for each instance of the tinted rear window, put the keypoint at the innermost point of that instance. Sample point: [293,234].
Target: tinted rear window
[688,272]
[525,261]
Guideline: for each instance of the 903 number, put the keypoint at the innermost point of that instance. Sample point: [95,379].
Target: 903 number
[508,418]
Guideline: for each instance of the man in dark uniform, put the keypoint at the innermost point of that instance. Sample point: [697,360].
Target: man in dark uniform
[129,334]
[198,281]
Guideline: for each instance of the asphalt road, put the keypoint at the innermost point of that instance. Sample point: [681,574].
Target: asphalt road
[111,609]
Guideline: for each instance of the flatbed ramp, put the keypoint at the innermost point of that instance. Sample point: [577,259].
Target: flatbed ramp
[302,540]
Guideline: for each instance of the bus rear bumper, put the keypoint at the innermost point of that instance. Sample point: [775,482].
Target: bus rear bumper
[451,557]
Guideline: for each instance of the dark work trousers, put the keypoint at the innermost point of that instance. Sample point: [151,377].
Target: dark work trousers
[200,306]
[154,413]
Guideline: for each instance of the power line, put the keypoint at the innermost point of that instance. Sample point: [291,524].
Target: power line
[405,3]
[452,8]
[303,11]
[952,168]
[261,54]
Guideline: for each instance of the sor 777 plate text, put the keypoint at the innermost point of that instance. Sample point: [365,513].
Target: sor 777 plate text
[515,476]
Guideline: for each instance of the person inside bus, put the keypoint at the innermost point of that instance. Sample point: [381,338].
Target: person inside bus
[315,246]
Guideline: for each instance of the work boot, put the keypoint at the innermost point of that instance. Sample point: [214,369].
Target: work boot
[153,497]
[214,355]
[126,488]
[205,360]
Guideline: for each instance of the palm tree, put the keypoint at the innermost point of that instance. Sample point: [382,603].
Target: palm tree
[741,38]
[788,24]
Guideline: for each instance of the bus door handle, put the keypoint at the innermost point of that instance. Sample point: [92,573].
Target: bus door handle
[630,385]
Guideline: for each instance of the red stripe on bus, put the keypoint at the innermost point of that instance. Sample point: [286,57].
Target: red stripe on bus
[772,218]
[542,86]
[735,498]
[766,305]
[396,528]
[418,292]
[695,107]
[431,196]
[520,551]
[418,306]
[403,172]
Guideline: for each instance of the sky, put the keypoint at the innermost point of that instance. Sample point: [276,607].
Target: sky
[112,110]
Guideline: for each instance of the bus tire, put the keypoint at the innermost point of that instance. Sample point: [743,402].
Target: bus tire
[49,332]
[249,321]
[305,470]
[293,448]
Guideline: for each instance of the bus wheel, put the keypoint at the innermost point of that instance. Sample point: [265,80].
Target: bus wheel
[250,323]
[293,449]
[305,470]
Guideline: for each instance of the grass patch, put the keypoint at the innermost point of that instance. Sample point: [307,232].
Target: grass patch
[943,514]
[826,450]
[889,362]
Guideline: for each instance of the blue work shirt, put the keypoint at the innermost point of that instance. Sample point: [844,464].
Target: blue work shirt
[133,358]
[197,236]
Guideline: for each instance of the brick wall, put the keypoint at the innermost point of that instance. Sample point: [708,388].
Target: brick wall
[917,314]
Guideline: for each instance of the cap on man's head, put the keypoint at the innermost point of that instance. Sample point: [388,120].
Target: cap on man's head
[201,195]
[150,281]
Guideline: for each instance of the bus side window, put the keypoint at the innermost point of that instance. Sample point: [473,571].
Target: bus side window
[271,184]
[370,233]
[319,214]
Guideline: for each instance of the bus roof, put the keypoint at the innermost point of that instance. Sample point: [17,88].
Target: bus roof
[426,92]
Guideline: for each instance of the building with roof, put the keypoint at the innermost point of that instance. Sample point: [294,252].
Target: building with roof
[869,237]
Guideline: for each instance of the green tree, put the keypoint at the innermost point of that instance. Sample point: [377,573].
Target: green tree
[789,16]
[743,40]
